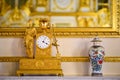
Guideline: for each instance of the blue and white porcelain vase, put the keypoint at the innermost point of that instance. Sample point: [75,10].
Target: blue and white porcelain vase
[96,55]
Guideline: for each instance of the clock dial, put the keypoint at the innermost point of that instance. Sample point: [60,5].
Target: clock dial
[43,41]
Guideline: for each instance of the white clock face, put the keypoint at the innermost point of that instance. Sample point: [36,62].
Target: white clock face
[43,41]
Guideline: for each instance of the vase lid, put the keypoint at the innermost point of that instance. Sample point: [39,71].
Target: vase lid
[96,39]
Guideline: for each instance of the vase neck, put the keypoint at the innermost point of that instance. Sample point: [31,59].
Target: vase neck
[96,43]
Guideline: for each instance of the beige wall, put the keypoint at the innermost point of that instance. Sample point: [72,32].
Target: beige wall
[68,47]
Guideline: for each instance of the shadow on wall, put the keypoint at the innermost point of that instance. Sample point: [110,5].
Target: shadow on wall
[8,69]
[83,48]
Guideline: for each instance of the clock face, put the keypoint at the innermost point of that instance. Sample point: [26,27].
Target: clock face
[43,41]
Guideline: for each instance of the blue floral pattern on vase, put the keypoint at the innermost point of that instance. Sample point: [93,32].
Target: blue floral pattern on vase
[96,54]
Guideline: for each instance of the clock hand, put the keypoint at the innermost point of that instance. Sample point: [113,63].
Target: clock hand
[45,42]
[44,38]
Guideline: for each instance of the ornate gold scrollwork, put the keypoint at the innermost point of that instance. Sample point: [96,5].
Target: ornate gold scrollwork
[118,15]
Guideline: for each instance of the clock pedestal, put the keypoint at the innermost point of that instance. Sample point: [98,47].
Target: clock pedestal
[48,66]
[43,62]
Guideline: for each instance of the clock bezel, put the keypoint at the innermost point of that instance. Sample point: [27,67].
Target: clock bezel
[44,35]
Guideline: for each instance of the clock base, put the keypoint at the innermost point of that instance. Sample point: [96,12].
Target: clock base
[43,72]
[45,66]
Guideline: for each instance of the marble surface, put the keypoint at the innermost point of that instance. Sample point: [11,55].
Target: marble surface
[59,78]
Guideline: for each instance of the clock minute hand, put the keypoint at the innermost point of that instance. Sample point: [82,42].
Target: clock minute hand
[43,41]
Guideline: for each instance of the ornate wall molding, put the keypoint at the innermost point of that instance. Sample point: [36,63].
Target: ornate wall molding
[87,34]
[60,32]
[12,32]
[63,59]
[10,59]
[86,59]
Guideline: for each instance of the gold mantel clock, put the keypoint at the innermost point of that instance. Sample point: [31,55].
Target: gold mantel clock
[43,63]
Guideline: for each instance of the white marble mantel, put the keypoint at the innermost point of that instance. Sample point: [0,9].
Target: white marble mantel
[59,78]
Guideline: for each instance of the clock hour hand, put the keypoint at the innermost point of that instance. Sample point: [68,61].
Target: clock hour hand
[45,42]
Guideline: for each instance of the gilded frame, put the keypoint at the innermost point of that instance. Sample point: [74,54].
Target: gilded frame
[113,31]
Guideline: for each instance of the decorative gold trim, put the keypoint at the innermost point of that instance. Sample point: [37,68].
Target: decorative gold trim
[118,15]
[64,32]
[112,59]
[12,32]
[63,14]
[11,59]
[75,59]
[63,59]
[86,59]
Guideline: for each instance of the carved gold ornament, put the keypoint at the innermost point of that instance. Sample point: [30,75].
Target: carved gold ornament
[63,4]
